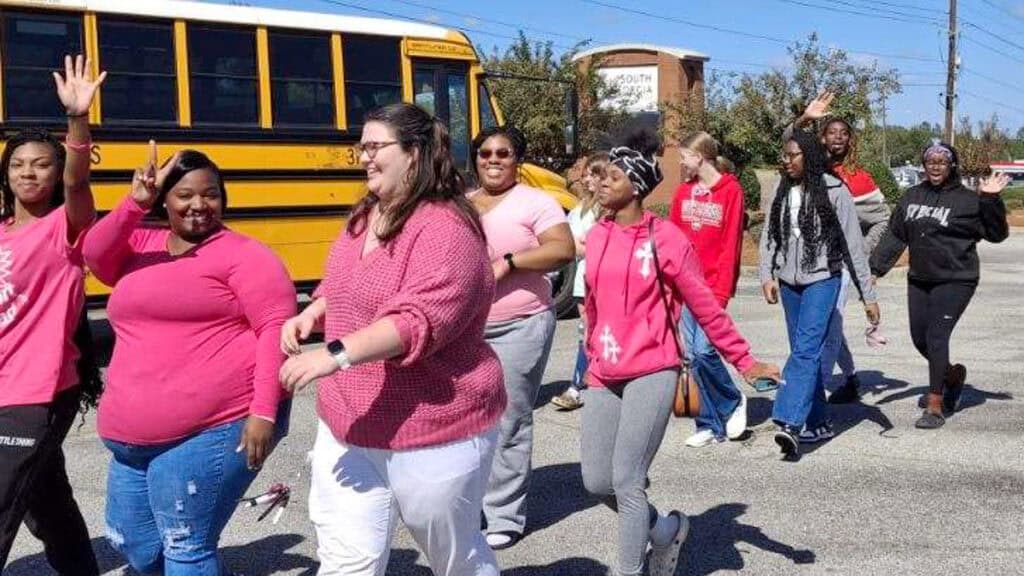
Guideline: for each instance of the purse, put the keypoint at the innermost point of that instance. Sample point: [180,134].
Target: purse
[687,397]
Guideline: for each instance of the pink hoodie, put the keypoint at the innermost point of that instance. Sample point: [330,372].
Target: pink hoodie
[628,334]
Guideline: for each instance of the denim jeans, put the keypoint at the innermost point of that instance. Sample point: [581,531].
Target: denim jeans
[719,396]
[167,504]
[837,350]
[801,398]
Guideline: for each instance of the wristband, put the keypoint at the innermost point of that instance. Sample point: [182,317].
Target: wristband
[511,263]
[78,146]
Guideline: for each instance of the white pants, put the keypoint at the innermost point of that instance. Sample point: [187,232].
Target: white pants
[358,495]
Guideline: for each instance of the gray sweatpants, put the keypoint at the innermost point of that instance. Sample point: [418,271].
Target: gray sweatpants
[523,346]
[621,432]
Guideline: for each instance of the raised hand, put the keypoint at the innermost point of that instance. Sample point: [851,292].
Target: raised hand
[818,108]
[144,182]
[75,88]
[994,184]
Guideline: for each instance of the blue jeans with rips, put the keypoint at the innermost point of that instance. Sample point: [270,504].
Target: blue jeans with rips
[719,396]
[809,309]
[167,504]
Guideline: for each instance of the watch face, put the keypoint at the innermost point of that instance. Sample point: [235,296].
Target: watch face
[335,347]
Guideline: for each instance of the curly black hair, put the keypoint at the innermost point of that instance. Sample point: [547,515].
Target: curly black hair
[90,383]
[817,219]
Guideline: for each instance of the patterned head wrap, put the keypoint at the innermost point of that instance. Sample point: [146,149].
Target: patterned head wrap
[642,172]
[939,149]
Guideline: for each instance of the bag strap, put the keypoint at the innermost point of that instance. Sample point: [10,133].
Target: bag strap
[664,294]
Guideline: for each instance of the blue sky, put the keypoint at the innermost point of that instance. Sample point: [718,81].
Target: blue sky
[909,35]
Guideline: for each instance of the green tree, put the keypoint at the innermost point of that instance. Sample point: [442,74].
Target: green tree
[538,108]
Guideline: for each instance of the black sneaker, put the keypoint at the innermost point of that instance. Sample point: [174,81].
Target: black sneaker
[929,421]
[818,434]
[846,393]
[787,437]
[955,378]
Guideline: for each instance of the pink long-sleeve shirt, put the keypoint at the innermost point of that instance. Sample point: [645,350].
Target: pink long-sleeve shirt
[628,325]
[434,281]
[198,335]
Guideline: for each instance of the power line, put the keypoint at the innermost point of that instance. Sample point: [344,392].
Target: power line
[991,49]
[482,19]
[993,80]
[993,102]
[993,34]
[904,18]
[1004,10]
[871,5]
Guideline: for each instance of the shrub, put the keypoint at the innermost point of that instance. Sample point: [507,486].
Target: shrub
[751,188]
[885,181]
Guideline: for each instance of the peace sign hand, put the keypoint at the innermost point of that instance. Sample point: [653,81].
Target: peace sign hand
[148,180]
[994,184]
[75,88]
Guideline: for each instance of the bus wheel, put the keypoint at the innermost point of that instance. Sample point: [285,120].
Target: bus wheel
[561,290]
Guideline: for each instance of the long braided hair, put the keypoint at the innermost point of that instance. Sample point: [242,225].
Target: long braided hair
[89,381]
[819,225]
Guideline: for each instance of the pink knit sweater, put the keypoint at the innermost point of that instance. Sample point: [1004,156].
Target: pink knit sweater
[435,283]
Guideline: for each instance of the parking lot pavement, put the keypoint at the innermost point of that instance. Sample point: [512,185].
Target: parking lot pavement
[880,498]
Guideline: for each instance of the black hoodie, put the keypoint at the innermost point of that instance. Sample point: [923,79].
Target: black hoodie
[942,227]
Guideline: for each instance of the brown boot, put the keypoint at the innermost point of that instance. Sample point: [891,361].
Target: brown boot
[932,417]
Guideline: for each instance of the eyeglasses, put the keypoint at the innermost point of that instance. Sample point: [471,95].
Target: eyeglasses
[371,148]
[790,156]
[501,153]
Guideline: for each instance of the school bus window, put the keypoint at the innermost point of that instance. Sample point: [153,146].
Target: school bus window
[139,59]
[373,75]
[223,75]
[34,46]
[487,118]
[302,88]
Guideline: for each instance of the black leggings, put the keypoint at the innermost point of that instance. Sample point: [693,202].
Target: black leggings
[34,486]
[934,311]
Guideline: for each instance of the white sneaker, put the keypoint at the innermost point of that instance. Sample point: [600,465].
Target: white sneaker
[737,423]
[702,438]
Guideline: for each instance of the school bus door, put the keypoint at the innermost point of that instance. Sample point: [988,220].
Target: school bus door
[442,88]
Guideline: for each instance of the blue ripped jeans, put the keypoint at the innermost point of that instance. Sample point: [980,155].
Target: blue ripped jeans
[167,504]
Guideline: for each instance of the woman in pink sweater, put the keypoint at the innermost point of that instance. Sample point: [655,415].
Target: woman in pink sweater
[641,270]
[410,392]
[192,406]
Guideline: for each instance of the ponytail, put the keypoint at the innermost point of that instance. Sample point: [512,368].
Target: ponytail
[724,165]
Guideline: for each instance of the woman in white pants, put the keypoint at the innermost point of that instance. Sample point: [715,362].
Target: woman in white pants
[409,393]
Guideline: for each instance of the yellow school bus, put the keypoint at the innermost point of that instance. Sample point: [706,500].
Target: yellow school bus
[275,97]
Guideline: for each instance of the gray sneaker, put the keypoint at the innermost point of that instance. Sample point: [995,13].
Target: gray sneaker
[664,559]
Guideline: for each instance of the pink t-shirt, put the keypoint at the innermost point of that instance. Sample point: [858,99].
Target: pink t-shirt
[198,335]
[41,298]
[513,226]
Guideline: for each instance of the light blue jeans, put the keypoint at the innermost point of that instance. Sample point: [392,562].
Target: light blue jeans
[167,504]
[719,396]
[809,309]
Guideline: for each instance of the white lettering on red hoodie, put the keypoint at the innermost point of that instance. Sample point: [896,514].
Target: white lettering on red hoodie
[628,333]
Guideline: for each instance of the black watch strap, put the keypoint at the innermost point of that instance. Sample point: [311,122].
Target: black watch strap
[511,262]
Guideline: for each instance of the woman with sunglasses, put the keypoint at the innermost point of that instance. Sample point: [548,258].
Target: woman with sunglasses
[941,222]
[528,236]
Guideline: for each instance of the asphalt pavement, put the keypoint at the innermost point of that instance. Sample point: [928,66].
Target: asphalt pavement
[880,498]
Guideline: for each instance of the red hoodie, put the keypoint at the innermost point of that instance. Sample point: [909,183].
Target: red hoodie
[628,333]
[713,221]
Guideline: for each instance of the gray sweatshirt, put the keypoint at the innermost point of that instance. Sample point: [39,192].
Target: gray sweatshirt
[789,269]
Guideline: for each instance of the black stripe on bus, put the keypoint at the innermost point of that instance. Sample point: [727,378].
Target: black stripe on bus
[264,212]
[206,134]
[106,176]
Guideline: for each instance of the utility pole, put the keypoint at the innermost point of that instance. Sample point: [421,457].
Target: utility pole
[952,66]
[885,133]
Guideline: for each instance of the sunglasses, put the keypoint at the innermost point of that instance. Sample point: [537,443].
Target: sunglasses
[501,153]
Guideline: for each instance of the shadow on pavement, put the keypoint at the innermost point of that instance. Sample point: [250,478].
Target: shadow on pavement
[556,492]
[715,535]
[36,565]
[549,391]
[403,563]
[269,556]
[971,397]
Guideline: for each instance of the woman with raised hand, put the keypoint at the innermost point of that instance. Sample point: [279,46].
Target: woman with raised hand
[192,407]
[47,367]
[410,393]
[811,234]
[527,237]
[941,221]
[642,270]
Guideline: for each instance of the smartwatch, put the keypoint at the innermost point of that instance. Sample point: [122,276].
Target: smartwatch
[337,351]
[511,263]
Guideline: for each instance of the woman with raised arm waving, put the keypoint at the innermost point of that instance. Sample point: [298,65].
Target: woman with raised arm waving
[46,364]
